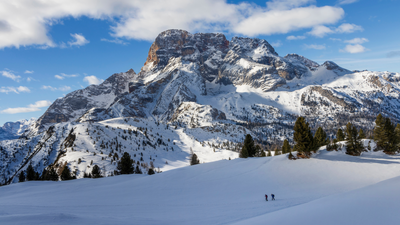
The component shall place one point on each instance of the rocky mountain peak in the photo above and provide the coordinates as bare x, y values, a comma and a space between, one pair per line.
180, 43
250, 44
329, 65
307, 62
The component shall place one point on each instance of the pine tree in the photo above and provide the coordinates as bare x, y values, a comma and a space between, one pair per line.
390, 140
66, 173
320, 138
303, 138
137, 170
96, 172
151, 172
361, 134
243, 153
21, 177
379, 132
353, 143
285, 147
249, 146
340, 135
125, 165
30, 173
269, 153
52, 174
258, 151
262, 154
194, 160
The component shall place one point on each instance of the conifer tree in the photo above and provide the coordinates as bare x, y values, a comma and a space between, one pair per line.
52, 174
194, 160
277, 152
379, 132
66, 173
340, 135
30, 173
303, 138
248, 145
263, 154
137, 170
151, 172
353, 143
258, 151
21, 177
269, 153
285, 147
361, 134
96, 172
320, 138
125, 165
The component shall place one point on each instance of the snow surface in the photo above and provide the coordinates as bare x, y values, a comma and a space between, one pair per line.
330, 188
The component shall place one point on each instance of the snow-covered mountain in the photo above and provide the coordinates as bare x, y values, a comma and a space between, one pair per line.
198, 93
13, 130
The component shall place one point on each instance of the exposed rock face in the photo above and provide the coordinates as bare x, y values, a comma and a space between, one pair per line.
301, 59
335, 68
76, 103
193, 115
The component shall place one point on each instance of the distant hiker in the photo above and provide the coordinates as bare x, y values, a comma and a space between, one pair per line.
273, 197
266, 197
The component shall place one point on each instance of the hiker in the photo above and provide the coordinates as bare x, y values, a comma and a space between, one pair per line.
273, 197
266, 197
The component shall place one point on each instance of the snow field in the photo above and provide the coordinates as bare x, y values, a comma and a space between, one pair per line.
222, 192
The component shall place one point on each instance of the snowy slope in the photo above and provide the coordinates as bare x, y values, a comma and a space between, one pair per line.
330, 188
13, 130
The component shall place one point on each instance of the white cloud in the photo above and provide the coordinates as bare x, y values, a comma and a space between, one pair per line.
276, 44
357, 48
16, 90
62, 88
348, 28
27, 22
115, 41
313, 46
322, 31
344, 2
59, 77
10, 75
40, 104
290, 38
92, 80
29, 71
335, 39
80, 40
31, 108
63, 75
356, 41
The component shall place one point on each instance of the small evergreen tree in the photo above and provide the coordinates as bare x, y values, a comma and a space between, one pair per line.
262, 154
21, 177
361, 134
340, 135
249, 146
353, 143
151, 172
194, 160
66, 173
52, 174
125, 165
244, 153
258, 151
96, 172
269, 153
30, 173
277, 152
320, 138
285, 147
303, 138
137, 170
379, 132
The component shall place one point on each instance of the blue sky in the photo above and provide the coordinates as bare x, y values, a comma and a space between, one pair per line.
49, 49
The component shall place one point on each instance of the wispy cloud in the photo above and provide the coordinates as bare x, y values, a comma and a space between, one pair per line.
290, 38
29, 71
313, 46
345, 2
63, 75
357, 48
321, 30
10, 75
80, 40
16, 90
62, 88
31, 108
276, 44
92, 80
115, 41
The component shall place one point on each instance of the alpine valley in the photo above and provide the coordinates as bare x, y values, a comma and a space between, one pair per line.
196, 93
